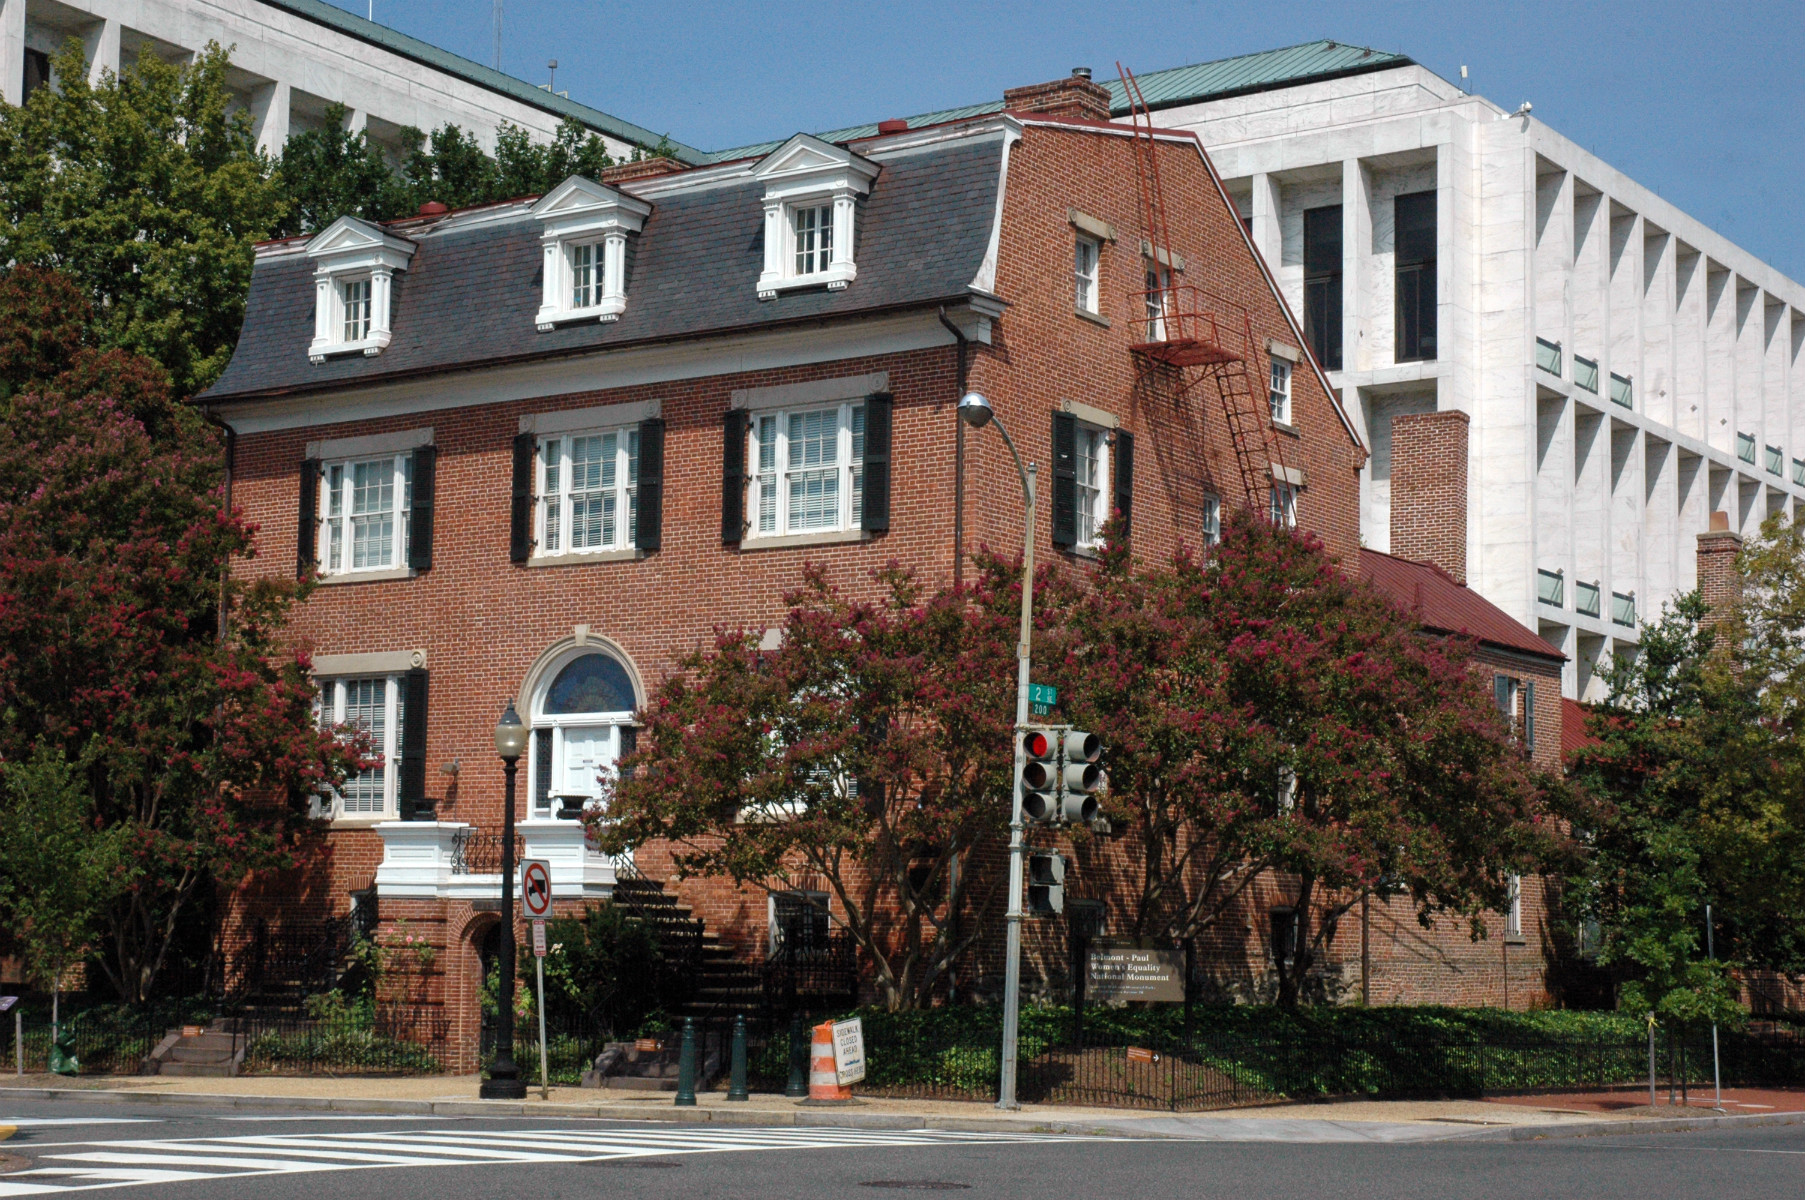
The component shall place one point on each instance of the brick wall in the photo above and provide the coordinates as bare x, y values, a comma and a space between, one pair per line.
1429, 489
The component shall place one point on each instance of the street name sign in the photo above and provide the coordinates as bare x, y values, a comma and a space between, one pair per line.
1042, 697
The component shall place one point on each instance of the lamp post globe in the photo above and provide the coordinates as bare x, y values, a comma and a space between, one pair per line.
504, 1082
975, 410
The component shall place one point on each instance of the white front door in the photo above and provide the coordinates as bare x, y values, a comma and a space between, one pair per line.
588, 753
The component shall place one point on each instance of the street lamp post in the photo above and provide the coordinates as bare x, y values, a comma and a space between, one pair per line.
504, 1082
975, 410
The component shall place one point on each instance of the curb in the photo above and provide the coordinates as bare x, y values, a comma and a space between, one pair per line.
841, 1119
663, 1113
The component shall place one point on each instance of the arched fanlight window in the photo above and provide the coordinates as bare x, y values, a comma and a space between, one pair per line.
582, 724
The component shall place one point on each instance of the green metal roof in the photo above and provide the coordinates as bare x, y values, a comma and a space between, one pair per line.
429, 55
1257, 72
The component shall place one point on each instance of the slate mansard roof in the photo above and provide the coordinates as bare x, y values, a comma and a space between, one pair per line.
471, 292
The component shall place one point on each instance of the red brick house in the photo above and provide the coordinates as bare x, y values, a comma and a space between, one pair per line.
536, 450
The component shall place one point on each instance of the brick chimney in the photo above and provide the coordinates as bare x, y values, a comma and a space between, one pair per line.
1429, 489
1073, 96
645, 168
1718, 583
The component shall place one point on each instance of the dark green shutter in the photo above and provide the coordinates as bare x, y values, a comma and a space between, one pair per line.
733, 476
1121, 469
876, 510
308, 530
411, 792
649, 523
1065, 480
1529, 715
520, 532
419, 532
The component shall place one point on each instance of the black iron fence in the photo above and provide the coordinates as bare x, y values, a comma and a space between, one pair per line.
105, 1039
383, 1041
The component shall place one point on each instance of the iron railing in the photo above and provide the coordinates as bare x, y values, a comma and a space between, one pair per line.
812, 975
385, 1041
478, 852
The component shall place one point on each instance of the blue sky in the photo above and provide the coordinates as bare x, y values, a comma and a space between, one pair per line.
1704, 104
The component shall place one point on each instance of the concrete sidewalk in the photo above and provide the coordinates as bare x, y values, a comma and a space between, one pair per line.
441, 1095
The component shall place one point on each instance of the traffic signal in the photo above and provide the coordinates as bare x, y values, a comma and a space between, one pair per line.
1040, 775
1080, 776
1046, 884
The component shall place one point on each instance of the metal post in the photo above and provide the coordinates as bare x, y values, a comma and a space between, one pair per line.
1012, 974
686, 1066
1651, 1059
797, 1088
736, 1080
545, 1084
1717, 1078
504, 1082
19, 1041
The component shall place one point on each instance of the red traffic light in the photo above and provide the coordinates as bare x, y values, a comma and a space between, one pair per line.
1036, 744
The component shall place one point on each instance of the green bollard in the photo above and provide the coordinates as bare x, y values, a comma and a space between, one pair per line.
686, 1066
797, 1088
736, 1084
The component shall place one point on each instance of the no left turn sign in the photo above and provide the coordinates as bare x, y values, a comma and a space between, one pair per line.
536, 888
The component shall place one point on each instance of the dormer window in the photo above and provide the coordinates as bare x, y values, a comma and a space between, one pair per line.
585, 230
355, 267
811, 209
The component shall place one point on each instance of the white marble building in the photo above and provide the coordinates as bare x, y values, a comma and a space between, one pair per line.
292, 58
1626, 370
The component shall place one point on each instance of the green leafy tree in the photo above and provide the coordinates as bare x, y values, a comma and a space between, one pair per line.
330, 172
198, 753
1268, 717
609, 964
867, 757
59, 872
149, 195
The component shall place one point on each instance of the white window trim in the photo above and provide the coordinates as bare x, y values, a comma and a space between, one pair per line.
1092, 538
844, 526
626, 488
1513, 908
806, 172
1278, 392
555, 725
1284, 494
351, 250
580, 212
396, 567
1212, 519
330, 685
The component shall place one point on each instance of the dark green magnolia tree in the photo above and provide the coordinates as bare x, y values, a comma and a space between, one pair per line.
198, 755
147, 193
1268, 717
867, 757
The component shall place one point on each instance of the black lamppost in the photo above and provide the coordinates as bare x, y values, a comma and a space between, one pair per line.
504, 1082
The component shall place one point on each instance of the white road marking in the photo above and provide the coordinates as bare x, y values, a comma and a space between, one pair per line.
24, 1121
137, 1162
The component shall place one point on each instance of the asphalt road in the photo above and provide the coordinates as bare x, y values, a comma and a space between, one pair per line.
164, 1154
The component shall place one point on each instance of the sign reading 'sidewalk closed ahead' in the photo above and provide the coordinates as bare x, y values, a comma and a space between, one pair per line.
1118, 971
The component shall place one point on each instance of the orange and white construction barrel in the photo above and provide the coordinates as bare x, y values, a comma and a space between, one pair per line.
823, 1079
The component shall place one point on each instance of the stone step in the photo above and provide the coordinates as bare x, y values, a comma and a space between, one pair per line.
203, 1070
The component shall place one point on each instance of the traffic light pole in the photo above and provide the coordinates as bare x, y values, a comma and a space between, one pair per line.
1012, 970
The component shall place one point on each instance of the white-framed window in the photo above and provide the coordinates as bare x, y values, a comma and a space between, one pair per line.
1287, 790
364, 512
1505, 694
1283, 505
1513, 910
1280, 391
583, 290
1091, 463
812, 237
588, 491
1159, 283
371, 705
1212, 520
1084, 273
582, 718
354, 296
807, 470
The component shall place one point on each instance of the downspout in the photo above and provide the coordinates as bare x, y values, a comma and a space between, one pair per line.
952, 974
214, 419
958, 457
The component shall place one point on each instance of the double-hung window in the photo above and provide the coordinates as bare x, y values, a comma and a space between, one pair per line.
1159, 286
807, 470
588, 493
1084, 274
1212, 520
812, 236
1091, 463
364, 513
373, 706
1279, 394
356, 293
1283, 505
583, 290
1513, 908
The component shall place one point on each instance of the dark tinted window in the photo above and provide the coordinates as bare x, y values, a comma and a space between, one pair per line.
594, 683
1322, 284
1416, 228
1414, 216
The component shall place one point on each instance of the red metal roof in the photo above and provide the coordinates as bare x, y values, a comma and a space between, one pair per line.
1446, 606
1574, 737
